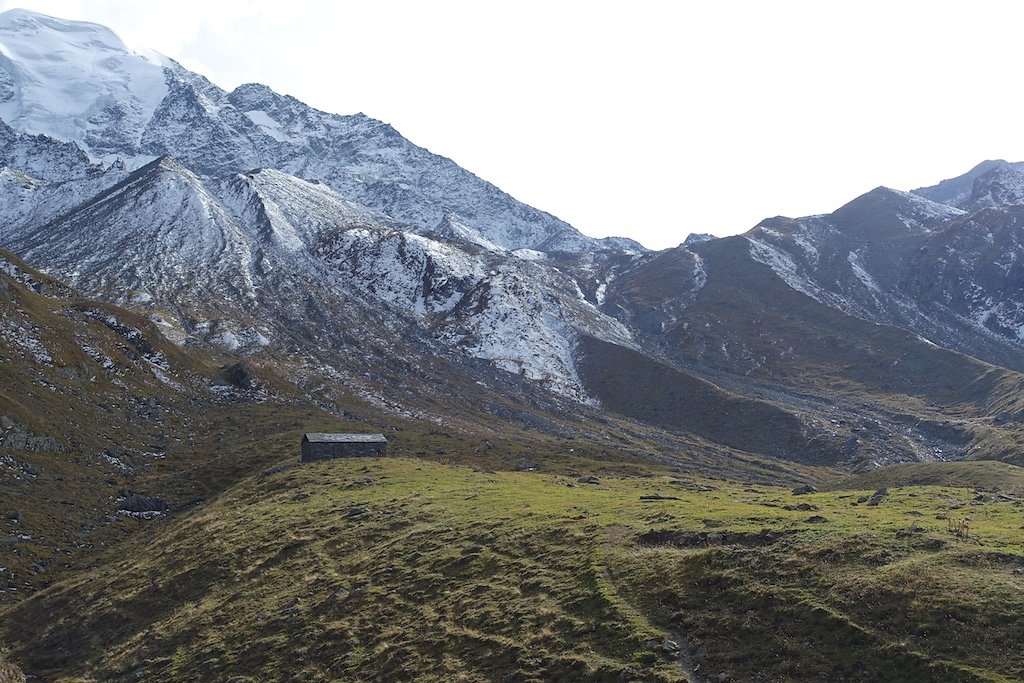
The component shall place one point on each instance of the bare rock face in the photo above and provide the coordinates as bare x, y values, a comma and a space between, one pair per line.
13, 436
136, 502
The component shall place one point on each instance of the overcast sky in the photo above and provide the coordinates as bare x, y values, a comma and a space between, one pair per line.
646, 119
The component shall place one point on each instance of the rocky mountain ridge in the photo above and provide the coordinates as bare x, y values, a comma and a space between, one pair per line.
253, 223
145, 106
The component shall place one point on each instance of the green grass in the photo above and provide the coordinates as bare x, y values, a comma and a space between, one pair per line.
988, 475
450, 573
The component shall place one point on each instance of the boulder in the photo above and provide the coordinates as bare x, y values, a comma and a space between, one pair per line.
134, 502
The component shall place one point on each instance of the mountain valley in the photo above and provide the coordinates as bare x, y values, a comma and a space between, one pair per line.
742, 458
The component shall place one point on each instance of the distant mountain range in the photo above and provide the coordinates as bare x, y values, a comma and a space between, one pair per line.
340, 253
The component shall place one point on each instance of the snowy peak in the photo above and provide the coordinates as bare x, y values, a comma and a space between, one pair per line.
291, 213
27, 23
696, 238
76, 81
884, 213
159, 230
1002, 185
955, 191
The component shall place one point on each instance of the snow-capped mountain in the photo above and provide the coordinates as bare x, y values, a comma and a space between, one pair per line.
133, 179
248, 250
901, 259
334, 247
78, 82
966, 190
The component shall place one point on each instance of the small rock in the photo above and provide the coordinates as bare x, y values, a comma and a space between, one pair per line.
670, 646
14, 516
589, 479
363, 481
817, 519
803, 490
722, 677
356, 512
629, 673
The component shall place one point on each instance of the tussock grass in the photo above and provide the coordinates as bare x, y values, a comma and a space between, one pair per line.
406, 569
989, 475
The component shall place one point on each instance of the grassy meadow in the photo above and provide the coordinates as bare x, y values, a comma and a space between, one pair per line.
406, 569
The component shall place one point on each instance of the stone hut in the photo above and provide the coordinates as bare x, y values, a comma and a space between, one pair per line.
320, 446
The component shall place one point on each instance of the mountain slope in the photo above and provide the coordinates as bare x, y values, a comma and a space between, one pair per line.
395, 569
866, 394
145, 106
250, 249
333, 246
592, 446
877, 258
960, 191
76, 81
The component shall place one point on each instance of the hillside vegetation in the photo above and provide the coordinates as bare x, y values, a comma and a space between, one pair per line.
404, 569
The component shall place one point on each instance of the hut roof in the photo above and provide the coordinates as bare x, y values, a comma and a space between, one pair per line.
336, 437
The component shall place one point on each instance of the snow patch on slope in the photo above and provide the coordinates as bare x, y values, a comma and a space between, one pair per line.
76, 81
861, 273
782, 263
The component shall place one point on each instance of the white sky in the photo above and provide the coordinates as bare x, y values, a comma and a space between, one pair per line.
648, 119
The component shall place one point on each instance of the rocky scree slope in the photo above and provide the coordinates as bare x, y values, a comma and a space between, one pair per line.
264, 259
